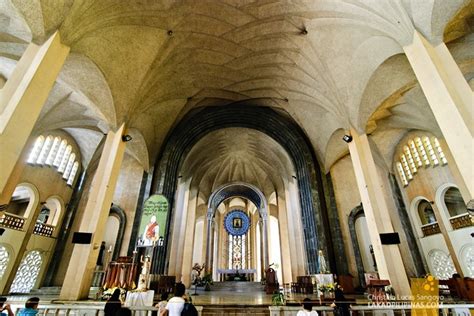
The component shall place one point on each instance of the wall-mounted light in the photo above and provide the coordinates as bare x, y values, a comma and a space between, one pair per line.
347, 138
126, 138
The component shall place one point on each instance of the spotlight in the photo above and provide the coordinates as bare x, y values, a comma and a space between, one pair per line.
347, 138
126, 138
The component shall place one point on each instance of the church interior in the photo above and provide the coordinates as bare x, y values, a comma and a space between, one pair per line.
276, 145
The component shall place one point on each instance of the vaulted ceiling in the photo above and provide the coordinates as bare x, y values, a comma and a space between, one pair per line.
325, 62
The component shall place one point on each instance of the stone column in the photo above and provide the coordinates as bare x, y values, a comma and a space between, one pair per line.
389, 261
447, 240
189, 242
265, 255
21, 101
284, 242
209, 242
451, 101
83, 260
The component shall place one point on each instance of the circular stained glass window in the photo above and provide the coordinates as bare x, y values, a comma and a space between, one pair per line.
237, 223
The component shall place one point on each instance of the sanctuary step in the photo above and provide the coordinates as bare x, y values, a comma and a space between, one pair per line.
237, 310
237, 286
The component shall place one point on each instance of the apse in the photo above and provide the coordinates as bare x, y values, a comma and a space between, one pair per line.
248, 173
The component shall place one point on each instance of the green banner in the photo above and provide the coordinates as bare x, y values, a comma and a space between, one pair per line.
153, 223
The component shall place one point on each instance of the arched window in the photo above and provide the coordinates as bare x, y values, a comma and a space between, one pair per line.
36, 150
467, 256
65, 159
72, 176
441, 264
69, 165
59, 156
425, 211
27, 273
45, 150
53, 151
4, 258
419, 152
454, 202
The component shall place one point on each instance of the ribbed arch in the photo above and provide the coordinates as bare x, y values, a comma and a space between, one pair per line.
199, 122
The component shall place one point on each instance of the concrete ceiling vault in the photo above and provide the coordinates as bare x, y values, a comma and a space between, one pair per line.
148, 63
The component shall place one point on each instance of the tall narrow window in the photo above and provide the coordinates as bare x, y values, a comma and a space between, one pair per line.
36, 150
403, 177
60, 153
409, 157
430, 150
72, 176
45, 150
415, 154
65, 159
70, 163
406, 167
422, 151
53, 151
441, 155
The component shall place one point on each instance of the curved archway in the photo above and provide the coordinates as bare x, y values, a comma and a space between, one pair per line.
278, 126
356, 212
440, 202
120, 214
237, 189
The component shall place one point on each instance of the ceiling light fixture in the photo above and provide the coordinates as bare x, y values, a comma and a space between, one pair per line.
126, 138
347, 138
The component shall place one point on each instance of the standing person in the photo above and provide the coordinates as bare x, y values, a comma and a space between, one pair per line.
31, 307
307, 308
5, 309
176, 304
162, 303
113, 304
341, 307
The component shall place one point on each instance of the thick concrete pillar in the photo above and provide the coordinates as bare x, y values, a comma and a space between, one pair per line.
22, 99
389, 261
444, 233
78, 277
209, 240
284, 242
187, 253
450, 99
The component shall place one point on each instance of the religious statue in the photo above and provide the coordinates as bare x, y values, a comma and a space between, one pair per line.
144, 278
151, 232
323, 267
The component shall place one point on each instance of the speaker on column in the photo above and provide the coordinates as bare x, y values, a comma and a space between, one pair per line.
390, 239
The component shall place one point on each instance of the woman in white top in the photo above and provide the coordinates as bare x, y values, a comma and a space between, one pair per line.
307, 309
175, 305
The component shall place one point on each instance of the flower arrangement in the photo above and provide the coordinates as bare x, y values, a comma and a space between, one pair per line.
329, 287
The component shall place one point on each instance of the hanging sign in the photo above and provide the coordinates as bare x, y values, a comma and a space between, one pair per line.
153, 223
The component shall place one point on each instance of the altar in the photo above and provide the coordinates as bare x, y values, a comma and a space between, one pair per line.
236, 274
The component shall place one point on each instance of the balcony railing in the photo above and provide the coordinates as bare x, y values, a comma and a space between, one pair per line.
12, 221
43, 229
430, 229
461, 221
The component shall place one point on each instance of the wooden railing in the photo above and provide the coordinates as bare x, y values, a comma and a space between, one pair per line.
461, 221
12, 221
430, 229
43, 229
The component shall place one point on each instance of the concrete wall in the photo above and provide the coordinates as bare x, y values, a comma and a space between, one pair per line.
47, 183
